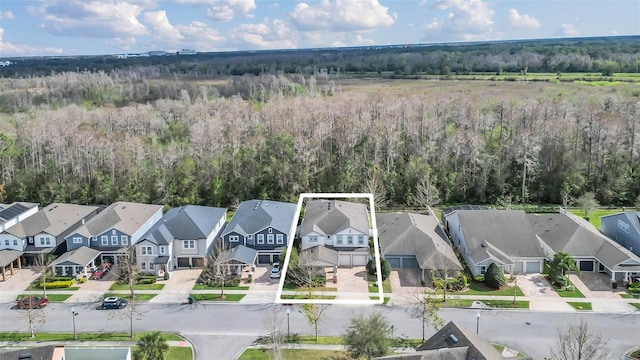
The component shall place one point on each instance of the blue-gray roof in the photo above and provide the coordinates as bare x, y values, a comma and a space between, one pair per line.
190, 222
254, 216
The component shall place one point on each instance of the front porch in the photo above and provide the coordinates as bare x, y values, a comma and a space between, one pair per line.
75, 262
7, 260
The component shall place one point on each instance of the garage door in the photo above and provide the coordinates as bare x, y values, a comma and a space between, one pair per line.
586, 265
359, 259
183, 262
533, 267
264, 259
344, 259
197, 262
409, 263
395, 262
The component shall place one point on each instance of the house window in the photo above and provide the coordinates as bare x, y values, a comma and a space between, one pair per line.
6, 242
189, 244
47, 241
114, 240
279, 239
483, 269
146, 250
350, 239
124, 239
162, 250
15, 242
270, 230
360, 240
104, 240
76, 240
234, 238
260, 238
94, 238
270, 239
339, 239
313, 239
250, 236
151, 266
113, 232
143, 266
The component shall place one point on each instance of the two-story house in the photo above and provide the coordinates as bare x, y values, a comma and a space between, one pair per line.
623, 228
263, 225
339, 225
183, 238
10, 251
114, 229
43, 233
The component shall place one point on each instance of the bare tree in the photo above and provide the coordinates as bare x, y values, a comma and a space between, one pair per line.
275, 335
425, 306
128, 275
302, 271
217, 267
427, 193
43, 264
34, 317
587, 203
376, 186
314, 313
578, 343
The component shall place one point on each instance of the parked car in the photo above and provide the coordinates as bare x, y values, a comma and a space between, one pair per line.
100, 271
32, 302
114, 303
275, 271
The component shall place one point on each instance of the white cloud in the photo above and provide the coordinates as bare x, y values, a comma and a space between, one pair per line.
566, 30
200, 36
10, 49
342, 15
516, 20
96, 18
123, 43
226, 10
6, 15
466, 20
160, 27
276, 35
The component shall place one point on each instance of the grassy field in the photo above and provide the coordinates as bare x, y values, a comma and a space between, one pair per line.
580, 305
594, 216
373, 285
175, 353
50, 297
207, 287
93, 336
306, 296
117, 286
637, 305
34, 287
291, 354
216, 297
627, 296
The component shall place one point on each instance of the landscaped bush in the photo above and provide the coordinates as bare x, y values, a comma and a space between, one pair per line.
371, 267
60, 284
634, 287
146, 280
59, 278
166, 275
462, 279
229, 282
494, 277
83, 280
384, 265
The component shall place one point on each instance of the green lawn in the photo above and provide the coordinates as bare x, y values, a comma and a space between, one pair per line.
580, 305
306, 296
117, 286
462, 303
384, 302
291, 354
498, 304
304, 288
94, 336
476, 288
498, 347
50, 297
637, 305
139, 297
216, 297
594, 216
627, 296
34, 287
180, 353
207, 287
575, 293
373, 285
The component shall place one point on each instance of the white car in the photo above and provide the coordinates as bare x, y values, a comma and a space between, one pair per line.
275, 271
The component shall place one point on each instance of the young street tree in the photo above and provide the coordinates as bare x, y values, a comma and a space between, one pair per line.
152, 346
425, 306
314, 313
275, 335
587, 203
43, 264
128, 275
578, 343
368, 336
34, 318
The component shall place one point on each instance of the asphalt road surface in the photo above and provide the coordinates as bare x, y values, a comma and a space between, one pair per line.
221, 330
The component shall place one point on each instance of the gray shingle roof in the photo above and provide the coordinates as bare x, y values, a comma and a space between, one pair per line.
54, 219
190, 222
459, 353
34, 353
80, 256
319, 256
240, 253
8, 255
506, 230
415, 234
478, 348
327, 217
127, 217
252, 216
11, 211
578, 237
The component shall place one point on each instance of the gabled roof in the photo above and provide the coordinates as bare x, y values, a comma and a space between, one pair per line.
327, 217
54, 220
80, 257
459, 353
320, 256
508, 231
253, 216
34, 353
240, 253
633, 217
453, 208
453, 336
419, 235
7, 256
190, 222
8, 212
127, 217
576, 236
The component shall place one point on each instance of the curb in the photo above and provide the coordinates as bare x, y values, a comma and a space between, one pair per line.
194, 351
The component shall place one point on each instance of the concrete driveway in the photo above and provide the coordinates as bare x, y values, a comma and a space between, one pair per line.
262, 280
594, 285
16, 284
536, 285
178, 287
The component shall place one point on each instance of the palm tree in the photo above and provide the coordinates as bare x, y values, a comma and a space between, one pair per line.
564, 262
152, 346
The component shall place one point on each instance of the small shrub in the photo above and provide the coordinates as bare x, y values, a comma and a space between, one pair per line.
385, 268
166, 275
249, 279
371, 267
634, 287
494, 277
462, 278
58, 284
83, 280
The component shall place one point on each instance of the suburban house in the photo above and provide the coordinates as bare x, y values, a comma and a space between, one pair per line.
339, 225
114, 229
624, 228
43, 233
183, 238
262, 225
11, 251
504, 237
453, 342
415, 241
52, 352
592, 251
78, 261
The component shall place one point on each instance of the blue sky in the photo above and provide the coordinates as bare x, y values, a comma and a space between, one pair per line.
86, 27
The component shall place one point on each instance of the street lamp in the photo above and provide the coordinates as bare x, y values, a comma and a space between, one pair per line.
288, 312
477, 322
74, 314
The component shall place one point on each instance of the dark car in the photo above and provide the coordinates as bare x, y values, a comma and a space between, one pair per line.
32, 302
100, 272
114, 303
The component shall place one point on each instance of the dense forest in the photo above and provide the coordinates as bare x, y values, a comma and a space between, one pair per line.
71, 137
